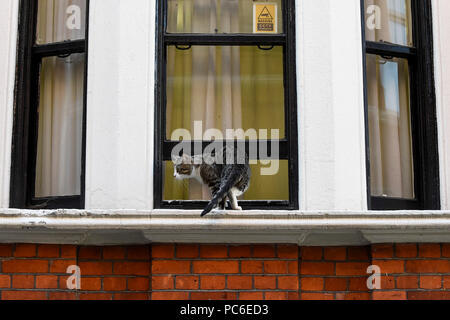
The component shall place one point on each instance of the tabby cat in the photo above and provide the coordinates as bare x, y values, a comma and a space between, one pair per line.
226, 174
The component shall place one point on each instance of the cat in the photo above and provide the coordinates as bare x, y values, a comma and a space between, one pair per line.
222, 173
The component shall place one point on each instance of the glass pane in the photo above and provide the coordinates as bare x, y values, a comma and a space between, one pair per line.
262, 187
391, 154
389, 21
60, 20
226, 88
223, 16
58, 165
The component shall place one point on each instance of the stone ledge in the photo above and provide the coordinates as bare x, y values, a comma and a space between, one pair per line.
109, 227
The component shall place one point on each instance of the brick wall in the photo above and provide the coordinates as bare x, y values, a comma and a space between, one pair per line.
29, 271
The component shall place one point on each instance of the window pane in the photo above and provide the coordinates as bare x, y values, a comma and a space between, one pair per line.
225, 88
60, 20
389, 21
225, 16
391, 155
262, 187
58, 165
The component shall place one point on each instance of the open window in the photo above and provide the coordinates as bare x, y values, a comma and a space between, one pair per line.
49, 124
403, 171
228, 65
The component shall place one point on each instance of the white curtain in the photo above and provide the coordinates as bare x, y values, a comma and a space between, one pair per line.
60, 132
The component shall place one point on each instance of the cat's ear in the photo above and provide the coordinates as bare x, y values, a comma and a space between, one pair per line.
177, 160
187, 158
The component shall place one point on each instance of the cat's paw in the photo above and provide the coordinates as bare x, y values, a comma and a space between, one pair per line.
238, 209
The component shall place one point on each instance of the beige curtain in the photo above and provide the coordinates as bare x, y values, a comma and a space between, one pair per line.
58, 168
224, 87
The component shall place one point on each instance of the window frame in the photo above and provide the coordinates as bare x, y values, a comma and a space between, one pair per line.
288, 145
24, 143
423, 111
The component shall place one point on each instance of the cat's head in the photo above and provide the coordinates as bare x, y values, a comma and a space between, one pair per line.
184, 167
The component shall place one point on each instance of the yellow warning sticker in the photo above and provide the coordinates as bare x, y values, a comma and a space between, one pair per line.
265, 19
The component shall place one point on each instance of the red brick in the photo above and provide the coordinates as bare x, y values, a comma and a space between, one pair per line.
335, 284
287, 252
253, 267
260, 251
429, 250
406, 250
240, 251
24, 295
390, 266
383, 251
5, 282
288, 283
95, 268
162, 282
96, 296
447, 282
68, 251
227, 267
138, 253
335, 253
23, 282
251, 296
170, 295
132, 268
357, 284
293, 295
353, 296
429, 295
213, 251
265, 282
46, 282
48, 251
445, 250
317, 268
90, 253
91, 284
187, 283
114, 284
407, 282
188, 251
293, 267
275, 267
387, 282
138, 284
239, 282
276, 296
212, 283
131, 296
25, 251
312, 284
171, 267
428, 266
351, 268
213, 296
311, 253
358, 253
62, 296
317, 296
389, 295
25, 266
5, 250
430, 282
160, 251
60, 266
113, 253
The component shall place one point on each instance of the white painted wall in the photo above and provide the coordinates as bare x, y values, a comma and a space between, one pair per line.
8, 34
441, 18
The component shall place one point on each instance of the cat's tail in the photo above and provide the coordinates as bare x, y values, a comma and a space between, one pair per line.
230, 179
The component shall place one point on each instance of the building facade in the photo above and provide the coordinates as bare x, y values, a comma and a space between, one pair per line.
353, 93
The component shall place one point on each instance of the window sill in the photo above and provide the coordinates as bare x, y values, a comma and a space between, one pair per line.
113, 227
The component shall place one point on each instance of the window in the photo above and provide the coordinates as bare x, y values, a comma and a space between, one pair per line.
49, 124
228, 65
402, 154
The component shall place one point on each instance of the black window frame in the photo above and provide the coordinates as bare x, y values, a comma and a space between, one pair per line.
288, 145
423, 110
24, 144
